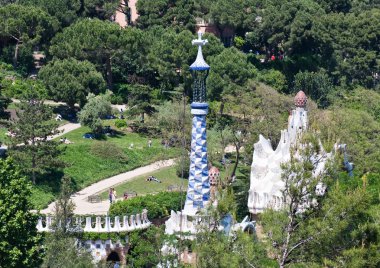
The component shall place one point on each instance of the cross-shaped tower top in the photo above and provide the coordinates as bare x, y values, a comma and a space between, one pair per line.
199, 63
199, 41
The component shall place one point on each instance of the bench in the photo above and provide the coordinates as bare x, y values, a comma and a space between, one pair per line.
94, 198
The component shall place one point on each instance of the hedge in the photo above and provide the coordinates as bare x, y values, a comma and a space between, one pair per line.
158, 205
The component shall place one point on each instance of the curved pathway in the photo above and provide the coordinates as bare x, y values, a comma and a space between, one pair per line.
80, 198
64, 129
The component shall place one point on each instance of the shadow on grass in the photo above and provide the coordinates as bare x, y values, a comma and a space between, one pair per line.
67, 113
113, 133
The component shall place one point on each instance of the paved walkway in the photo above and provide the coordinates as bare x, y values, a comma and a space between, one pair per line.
80, 198
64, 129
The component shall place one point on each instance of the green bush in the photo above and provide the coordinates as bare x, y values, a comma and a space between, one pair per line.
273, 78
120, 123
109, 151
158, 205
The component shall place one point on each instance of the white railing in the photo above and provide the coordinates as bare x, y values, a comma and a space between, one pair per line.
102, 224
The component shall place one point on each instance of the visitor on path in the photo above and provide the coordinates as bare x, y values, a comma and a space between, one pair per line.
110, 194
114, 195
149, 143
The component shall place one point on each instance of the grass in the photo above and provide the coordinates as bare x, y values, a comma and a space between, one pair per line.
167, 176
86, 168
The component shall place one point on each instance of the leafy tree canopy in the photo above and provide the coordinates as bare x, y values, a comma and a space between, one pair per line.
167, 13
70, 80
19, 241
97, 107
24, 26
230, 71
99, 42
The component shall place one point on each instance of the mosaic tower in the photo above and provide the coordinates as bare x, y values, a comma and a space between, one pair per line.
198, 192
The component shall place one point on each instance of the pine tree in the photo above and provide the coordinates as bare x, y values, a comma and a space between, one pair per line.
19, 240
31, 146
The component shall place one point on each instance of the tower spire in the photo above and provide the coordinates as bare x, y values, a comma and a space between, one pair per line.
198, 191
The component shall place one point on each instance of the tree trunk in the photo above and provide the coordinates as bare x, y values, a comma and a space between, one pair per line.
15, 56
237, 147
109, 73
142, 117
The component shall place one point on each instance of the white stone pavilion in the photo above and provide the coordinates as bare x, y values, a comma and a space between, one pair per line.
266, 185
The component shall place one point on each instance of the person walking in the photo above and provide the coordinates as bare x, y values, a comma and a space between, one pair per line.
149, 143
110, 195
114, 195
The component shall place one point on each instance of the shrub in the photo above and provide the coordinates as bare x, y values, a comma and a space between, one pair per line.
273, 78
109, 151
158, 205
120, 123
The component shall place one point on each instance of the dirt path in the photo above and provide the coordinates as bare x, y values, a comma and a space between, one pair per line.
81, 198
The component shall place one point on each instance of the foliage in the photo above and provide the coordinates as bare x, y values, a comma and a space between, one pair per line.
218, 250
102, 43
146, 248
348, 46
70, 80
97, 107
230, 72
313, 227
355, 128
140, 100
273, 78
65, 252
158, 205
173, 121
25, 27
19, 241
120, 123
182, 166
171, 54
31, 146
317, 86
111, 151
167, 13
61, 248
360, 99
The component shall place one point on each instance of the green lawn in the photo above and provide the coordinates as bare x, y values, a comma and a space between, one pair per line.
85, 167
167, 176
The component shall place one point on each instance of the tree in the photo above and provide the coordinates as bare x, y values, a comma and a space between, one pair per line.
140, 100
62, 249
70, 80
317, 86
67, 11
215, 249
230, 72
346, 125
167, 13
20, 244
97, 107
315, 223
100, 42
347, 45
25, 27
32, 147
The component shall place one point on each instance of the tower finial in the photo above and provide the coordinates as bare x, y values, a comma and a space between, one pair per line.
300, 99
199, 63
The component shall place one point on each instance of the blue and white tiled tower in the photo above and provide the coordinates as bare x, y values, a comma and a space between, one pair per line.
198, 192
